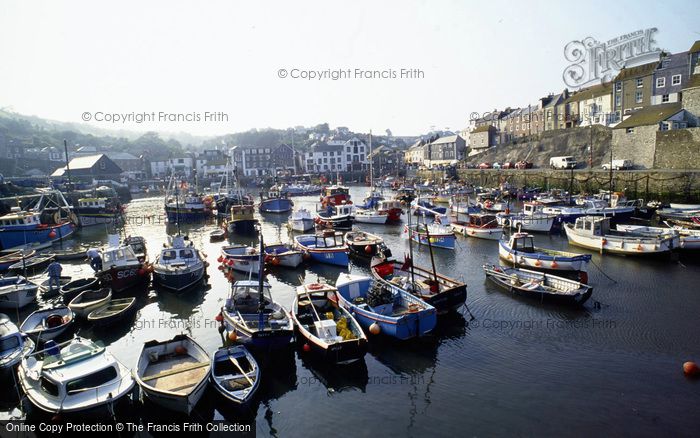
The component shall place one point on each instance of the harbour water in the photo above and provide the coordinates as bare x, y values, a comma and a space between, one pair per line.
520, 367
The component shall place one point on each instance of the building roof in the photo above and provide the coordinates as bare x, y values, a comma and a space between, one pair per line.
651, 115
695, 47
448, 139
325, 147
591, 92
120, 156
636, 71
694, 81
483, 128
85, 162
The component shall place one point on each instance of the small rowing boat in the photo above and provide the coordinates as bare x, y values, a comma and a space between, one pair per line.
538, 284
90, 300
235, 373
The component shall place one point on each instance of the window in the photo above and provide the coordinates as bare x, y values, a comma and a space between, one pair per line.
639, 96
675, 80
629, 130
660, 82
664, 98
618, 86
640, 82
348, 157
92, 380
664, 126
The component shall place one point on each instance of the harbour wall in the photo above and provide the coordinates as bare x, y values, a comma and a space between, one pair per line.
662, 185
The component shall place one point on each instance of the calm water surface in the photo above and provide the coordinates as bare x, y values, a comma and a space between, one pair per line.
519, 367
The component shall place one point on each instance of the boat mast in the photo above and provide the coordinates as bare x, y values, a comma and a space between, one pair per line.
430, 248
261, 274
410, 243
371, 171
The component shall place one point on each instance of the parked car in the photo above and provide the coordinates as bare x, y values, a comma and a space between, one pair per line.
619, 165
485, 166
508, 165
522, 164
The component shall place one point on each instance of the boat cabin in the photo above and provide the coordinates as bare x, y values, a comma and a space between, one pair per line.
69, 371
522, 242
245, 296
118, 255
93, 203
178, 253
483, 221
336, 190
16, 217
531, 208
137, 243
593, 225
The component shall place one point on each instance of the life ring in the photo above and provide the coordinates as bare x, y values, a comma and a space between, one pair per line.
315, 286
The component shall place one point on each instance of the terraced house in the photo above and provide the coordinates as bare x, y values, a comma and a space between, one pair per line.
444, 151
633, 88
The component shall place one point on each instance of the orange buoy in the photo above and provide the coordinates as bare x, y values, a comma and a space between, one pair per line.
52, 234
691, 369
275, 261
233, 336
368, 249
142, 272
538, 263
375, 329
219, 317
307, 347
555, 265
220, 259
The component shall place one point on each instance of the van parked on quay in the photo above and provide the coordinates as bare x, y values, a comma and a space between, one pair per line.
618, 165
567, 162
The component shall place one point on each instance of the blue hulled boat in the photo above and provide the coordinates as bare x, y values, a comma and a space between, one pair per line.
435, 235
324, 247
275, 202
24, 229
378, 305
423, 207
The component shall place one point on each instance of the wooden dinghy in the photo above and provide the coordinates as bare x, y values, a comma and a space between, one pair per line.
173, 373
112, 312
235, 373
90, 300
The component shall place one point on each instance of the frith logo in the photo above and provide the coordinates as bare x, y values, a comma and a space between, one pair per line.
594, 62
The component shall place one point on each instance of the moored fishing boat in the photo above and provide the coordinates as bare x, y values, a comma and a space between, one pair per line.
480, 226
364, 245
283, 254
16, 292
539, 285
445, 294
594, 232
14, 345
121, 268
689, 238
392, 208
138, 245
301, 220
90, 300
521, 251
329, 330
241, 219
365, 216
530, 219
275, 202
93, 211
423, 207
235, 373
325, 247
25, 229
335, 216
173, 373
335, 195
48, 323
384, 309
77, 376
241, 258
179, 265
435, 235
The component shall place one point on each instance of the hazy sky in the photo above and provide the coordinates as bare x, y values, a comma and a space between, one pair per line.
61, 59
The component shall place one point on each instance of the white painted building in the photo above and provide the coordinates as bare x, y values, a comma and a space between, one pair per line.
179, 165
337, 155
